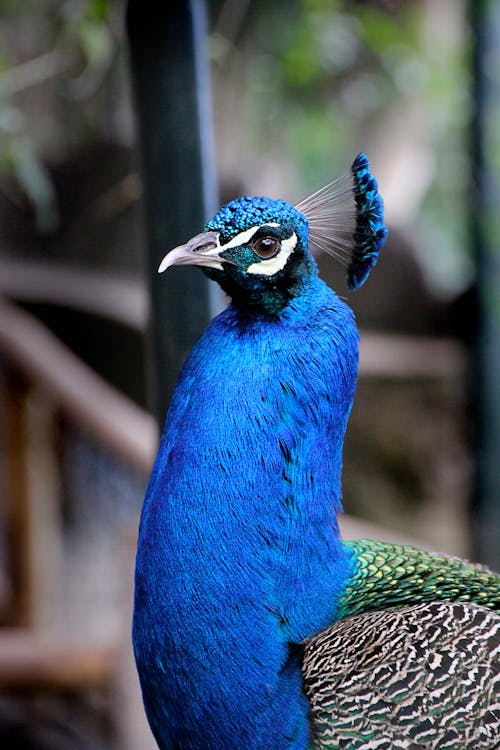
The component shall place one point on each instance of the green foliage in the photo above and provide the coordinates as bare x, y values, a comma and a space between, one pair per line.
88, 27
59, 52
34, 180
325, 79
99, 11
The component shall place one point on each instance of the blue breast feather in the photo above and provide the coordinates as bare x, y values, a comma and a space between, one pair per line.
239, 558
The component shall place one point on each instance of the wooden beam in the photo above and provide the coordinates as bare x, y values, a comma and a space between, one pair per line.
31, 662
17, 506
110, 417
410, 357
122, 300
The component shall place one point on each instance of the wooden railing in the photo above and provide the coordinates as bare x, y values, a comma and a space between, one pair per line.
85, 398
42, 380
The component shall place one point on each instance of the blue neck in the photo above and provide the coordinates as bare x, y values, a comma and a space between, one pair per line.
239, 558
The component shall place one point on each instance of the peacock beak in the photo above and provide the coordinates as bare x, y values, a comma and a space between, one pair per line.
202, 250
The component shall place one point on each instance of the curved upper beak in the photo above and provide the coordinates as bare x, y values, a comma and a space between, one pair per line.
202, 250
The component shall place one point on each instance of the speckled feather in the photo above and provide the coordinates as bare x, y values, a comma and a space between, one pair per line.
425, 677
415, 660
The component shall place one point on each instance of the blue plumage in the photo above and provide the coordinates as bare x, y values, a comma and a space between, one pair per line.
255, 627
239, 558
236, 565
248, 211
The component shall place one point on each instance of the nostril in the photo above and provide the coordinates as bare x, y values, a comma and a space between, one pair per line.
204, 242
201, 248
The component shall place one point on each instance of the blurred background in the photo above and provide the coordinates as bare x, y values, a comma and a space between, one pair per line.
114, 147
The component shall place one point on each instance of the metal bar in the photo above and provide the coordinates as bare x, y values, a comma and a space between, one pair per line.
485, 234
170, 80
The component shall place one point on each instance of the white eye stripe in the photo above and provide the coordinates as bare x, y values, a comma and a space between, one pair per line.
272, 265
243, 237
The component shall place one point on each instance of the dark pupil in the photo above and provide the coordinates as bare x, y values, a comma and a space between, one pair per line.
266, 247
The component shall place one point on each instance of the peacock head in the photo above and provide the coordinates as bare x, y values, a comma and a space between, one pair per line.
255, 248
258, 249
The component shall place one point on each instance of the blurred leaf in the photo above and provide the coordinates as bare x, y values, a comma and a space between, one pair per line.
99, 10
10, 6
300, 62
320, 142
96, 42
36, 183
11, 118
382, 30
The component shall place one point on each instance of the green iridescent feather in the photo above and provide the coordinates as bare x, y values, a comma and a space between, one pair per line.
391, 575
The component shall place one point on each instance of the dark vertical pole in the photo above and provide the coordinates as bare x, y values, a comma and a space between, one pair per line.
485, 199
172, 97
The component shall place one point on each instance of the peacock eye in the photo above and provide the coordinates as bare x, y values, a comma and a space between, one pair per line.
266, 247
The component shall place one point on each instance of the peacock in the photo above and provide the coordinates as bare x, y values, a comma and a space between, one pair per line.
255, 626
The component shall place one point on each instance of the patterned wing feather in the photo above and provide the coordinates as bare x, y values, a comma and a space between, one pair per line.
423, 677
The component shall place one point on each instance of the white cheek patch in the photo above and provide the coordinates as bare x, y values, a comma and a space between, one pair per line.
244, 237
272, 265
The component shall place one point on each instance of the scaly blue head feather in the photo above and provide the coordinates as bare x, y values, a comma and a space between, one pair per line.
245, 212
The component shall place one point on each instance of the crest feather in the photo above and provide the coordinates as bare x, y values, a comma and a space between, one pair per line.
346, 220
